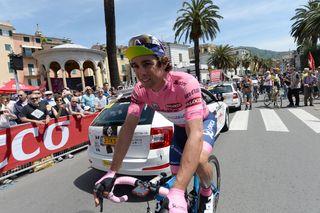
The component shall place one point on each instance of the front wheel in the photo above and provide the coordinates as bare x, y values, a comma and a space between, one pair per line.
266, 100
215, 181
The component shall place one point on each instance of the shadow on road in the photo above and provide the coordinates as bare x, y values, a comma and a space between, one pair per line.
86, 181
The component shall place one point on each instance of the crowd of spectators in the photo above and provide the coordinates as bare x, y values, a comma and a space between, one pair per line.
39, 107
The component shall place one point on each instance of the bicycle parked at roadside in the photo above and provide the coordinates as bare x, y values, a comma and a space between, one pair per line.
274, 98
160, 186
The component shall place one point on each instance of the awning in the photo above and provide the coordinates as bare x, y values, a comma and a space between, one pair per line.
32, 47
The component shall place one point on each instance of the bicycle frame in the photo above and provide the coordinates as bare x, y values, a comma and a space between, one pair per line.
192, 196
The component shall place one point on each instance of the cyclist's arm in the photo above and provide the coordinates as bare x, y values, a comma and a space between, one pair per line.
191, 153
124, 141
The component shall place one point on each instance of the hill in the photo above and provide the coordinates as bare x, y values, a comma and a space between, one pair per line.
265, 54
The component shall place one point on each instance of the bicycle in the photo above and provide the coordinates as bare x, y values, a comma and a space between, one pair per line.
160, 186
274, 97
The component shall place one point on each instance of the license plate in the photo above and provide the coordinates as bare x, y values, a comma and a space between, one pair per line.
110, 140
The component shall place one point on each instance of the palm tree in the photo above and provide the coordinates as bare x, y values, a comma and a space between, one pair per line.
307, 23
111, 42
246, 63
255, 61
222, 57
198, 20
235, 63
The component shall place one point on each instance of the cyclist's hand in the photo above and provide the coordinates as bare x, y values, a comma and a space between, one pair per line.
103, 186
177, 201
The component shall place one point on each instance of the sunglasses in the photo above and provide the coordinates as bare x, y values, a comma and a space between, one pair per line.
48, 94
34, 99
74, 101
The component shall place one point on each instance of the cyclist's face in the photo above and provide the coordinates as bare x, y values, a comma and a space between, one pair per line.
149, 72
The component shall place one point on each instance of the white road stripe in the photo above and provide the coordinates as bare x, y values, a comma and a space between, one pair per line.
310, 120
272, 121
240, 121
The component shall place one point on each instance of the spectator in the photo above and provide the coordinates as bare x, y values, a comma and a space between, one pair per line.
6, 116
106, 89
22, 101
294, 88
48, 99
35, 111
100, 100
37, 92
60, 108
75, 108
88, 98
66, 95
309, 81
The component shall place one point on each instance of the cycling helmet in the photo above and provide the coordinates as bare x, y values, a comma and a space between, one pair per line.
143, 45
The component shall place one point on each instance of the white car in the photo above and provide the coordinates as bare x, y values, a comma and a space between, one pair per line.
148, 153
230, 95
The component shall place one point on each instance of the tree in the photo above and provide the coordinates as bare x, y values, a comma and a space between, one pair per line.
222, 57
109, 15
236, 61
246, 63
197, 21
307, 23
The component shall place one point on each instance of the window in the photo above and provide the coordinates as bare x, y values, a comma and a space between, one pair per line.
6, 32
118, 112
29, 82
26, 39
7, 47
27, 52
38, 40
121, 56
34, 82
9, 68
31, 69
123, 69
73, 72
180, 57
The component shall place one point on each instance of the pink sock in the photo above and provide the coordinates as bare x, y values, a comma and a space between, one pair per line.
205, 191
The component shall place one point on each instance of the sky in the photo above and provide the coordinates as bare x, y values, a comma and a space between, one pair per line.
264, 24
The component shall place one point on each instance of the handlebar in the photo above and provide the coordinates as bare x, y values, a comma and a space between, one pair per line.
152, 185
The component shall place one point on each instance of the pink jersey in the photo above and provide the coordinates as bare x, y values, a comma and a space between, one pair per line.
179, 100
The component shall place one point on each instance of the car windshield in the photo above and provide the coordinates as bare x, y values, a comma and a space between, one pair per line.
221, 89
117, 114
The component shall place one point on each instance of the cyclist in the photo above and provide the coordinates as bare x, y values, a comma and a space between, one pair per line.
247, 91
177, 96
275, 87
268, 83
255, 84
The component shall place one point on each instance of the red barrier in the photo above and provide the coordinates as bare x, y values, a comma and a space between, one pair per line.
29, 142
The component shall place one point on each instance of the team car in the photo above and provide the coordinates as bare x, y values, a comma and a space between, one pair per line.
230, 95
148, 153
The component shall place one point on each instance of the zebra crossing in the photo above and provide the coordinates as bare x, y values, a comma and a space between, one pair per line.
272, 121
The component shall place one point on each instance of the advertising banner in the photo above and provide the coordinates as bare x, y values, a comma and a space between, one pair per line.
29, 142
215, 76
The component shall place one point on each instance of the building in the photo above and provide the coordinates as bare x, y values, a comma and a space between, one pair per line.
6, 46
25, 45
178, 54
126, 76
